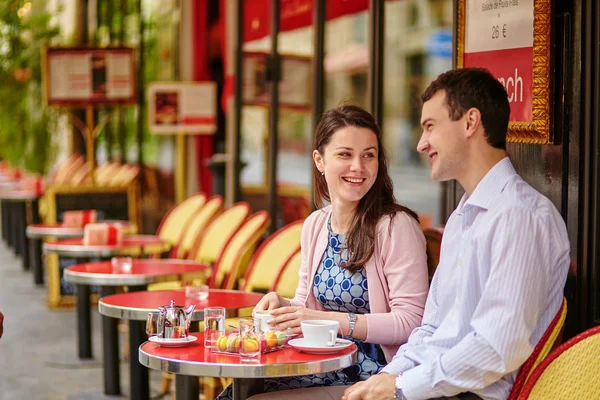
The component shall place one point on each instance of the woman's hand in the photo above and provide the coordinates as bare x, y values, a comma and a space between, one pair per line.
290, 318
270, 301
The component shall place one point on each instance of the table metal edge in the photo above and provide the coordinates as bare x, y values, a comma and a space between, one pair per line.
93, 279
192, 368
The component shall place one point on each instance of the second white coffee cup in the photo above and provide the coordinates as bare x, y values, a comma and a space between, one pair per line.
320, 333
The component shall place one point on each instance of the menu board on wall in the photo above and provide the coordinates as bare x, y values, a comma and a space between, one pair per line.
294, 86
511, 38
79, 77
182, 107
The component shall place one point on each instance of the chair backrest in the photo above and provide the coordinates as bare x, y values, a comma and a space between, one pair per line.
197, 225
64, 172
570, 372
551, 338
433, 237
103, 175
217, 234
287, 280
271, 256
236, 255
175, 220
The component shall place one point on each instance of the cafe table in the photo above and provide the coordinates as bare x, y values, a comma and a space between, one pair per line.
143, 272
19, 208
195, 360
38, 232
135, 306
134, 245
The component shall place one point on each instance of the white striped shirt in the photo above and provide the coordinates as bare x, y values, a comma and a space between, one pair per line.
499, 283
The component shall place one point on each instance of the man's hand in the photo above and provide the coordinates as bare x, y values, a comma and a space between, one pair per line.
291, 317
1, 324
378, 387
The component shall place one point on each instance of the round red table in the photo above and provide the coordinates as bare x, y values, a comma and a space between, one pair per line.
37, 232
135, 307
195, 360
59, 231
132, 245
142, 273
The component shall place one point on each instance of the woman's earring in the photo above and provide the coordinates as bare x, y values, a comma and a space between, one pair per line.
323, 173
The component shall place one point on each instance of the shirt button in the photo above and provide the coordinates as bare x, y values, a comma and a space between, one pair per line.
467, 227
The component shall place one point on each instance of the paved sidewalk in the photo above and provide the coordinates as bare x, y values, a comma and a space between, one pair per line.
34, 335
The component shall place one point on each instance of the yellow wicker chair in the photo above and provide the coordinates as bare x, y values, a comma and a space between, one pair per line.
272, 254
571, 372
549, 341
211, 243
197, 225
237, 253
174, 222
286, 282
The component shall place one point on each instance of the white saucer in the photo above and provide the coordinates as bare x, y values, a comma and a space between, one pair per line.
172, 342
301, 345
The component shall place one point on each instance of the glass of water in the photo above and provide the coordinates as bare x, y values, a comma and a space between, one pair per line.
214, 326
121, 265
250, 341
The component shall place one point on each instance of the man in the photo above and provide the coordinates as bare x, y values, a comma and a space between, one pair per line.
504, 257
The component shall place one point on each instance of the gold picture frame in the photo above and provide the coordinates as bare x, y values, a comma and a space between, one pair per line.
538, 130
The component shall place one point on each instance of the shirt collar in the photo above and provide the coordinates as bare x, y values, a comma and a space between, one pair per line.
490, 186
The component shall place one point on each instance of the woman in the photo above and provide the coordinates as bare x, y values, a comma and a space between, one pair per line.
363, 256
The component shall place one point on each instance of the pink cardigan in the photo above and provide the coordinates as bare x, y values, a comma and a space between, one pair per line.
397, 276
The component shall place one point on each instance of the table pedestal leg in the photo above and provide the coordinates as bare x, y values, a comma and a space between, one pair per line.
186, 387
138, 374
35, 251
110, 338
244, 387
4, 206
12, 227
24, 211
139, 380
84, 322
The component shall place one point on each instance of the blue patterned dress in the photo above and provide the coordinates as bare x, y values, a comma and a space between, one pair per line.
336, 289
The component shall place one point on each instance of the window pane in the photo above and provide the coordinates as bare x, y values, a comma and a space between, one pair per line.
418, 47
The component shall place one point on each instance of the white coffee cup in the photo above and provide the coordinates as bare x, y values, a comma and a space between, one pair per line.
264, 317
320, 333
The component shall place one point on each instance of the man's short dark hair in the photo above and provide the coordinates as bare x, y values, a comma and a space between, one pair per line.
475, 88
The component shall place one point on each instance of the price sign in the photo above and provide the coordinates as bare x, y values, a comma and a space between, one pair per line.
499, 35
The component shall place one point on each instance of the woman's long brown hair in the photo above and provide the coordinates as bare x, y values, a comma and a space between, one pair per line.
379, 200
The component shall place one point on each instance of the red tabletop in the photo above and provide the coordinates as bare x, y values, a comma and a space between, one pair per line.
36, 231
19, 194
128, 241
142, 272
74, 247
137, 305
195, 360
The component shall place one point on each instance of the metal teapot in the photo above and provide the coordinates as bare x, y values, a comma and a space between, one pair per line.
170, 322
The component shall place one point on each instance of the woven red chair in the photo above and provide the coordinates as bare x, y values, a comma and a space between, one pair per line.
549, 341
571, 372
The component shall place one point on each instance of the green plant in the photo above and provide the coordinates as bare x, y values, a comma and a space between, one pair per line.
26, 126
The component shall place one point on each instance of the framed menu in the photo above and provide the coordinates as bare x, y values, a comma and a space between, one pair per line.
83, 76
182, 107
511, 38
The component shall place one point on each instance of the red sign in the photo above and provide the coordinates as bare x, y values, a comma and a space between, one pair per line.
514, 69
499, 37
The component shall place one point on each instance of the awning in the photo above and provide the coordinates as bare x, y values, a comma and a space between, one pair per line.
294, 14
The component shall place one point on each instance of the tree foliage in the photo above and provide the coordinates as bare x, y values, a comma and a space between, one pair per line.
26, 126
